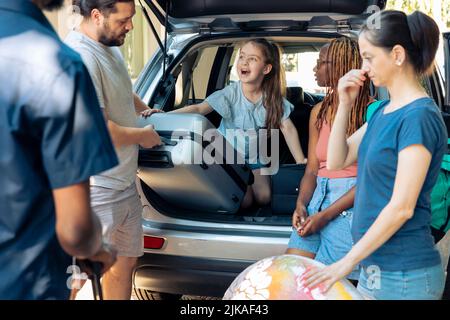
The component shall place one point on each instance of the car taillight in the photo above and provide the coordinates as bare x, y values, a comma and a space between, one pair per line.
153, 242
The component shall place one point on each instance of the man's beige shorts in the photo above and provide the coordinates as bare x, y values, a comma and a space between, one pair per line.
120, 213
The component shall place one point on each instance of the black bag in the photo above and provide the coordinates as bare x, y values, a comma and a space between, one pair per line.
285, 188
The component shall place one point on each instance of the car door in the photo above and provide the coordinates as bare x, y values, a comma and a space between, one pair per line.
198, 17
232, 14
446, 99
226, 16
446, 37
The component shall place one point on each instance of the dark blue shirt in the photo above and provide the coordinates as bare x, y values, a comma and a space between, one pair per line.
52, 135
420, 122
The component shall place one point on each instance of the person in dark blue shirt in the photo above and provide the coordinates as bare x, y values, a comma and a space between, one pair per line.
52, 139
399, 155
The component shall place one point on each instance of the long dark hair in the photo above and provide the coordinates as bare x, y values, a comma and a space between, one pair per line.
417, 33
344, 56
274, 83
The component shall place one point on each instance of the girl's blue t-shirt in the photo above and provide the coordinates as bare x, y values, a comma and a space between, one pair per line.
420, 122
242, 118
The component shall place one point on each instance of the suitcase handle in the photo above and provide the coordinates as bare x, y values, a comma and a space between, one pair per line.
95, 278
96, 269
168, 142
151, 158
164, 142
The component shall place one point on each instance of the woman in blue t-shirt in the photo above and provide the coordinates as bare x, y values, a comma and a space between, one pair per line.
399, 152
254, 102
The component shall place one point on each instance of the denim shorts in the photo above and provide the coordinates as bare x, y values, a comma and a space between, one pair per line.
420, 284
256, 166
334, 241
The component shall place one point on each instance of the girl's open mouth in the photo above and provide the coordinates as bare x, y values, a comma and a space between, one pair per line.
245, 72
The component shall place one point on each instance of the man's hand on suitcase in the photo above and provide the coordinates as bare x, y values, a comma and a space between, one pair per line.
149, 137
106, 256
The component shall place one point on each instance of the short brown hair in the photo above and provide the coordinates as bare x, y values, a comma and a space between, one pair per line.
106, 7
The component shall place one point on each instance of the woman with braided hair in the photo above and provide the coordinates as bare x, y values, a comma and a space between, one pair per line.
321, 221
341, 55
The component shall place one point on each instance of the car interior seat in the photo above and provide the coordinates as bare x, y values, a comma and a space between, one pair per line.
184, 85
300, 118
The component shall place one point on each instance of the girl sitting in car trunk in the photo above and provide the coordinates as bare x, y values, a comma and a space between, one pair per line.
254, 102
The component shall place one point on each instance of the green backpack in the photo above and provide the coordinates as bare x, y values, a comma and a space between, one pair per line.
440, 200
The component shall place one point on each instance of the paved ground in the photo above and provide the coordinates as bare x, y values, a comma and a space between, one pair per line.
86, 293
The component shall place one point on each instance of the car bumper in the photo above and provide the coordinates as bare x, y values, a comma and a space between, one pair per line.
187, 275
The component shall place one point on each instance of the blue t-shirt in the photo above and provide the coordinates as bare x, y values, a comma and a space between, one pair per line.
241, 117
52, 135
420, 122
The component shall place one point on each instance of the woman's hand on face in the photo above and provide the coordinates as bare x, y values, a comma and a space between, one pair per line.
349, 86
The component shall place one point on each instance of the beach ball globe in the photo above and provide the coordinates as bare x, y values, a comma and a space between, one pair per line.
279, 278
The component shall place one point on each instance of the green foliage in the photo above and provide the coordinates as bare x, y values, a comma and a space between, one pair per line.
438, 9
290, 62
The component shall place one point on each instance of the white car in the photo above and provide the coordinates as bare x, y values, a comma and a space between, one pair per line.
189, 251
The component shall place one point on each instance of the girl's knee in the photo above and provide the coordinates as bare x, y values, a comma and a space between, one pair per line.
248, 199
261, 189
263, 198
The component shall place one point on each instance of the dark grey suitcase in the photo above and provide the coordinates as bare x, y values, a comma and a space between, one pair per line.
187, 170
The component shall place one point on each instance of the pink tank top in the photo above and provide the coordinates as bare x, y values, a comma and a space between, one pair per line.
321, 153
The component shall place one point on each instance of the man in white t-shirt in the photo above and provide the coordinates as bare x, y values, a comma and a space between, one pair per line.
114, 196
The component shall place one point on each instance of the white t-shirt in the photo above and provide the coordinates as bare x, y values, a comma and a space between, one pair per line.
115, 94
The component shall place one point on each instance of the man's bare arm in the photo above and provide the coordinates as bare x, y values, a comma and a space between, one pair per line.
78, 230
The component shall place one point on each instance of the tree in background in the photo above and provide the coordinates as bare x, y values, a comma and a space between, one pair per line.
438, 9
